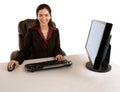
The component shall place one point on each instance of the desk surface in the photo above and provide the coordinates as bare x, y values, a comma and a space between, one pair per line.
75, 78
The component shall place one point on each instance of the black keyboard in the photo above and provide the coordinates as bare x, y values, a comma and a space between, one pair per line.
52, 64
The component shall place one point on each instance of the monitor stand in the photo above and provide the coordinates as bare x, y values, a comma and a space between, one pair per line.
90, 67
104, 67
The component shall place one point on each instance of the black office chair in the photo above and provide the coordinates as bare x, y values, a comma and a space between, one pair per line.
23, 27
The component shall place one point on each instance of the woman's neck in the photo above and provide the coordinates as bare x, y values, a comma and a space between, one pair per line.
44, 28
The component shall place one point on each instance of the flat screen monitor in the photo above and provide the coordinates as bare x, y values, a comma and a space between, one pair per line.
98, 46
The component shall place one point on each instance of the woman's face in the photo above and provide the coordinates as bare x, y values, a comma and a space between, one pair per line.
43, 17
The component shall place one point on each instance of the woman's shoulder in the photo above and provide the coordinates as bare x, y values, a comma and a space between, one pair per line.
34, 28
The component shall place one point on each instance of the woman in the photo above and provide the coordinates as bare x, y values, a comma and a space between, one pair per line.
41, 40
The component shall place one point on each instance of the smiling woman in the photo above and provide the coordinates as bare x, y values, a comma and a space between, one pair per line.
42, 40
44, 18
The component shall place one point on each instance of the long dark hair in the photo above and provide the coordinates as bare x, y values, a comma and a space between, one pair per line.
42, 6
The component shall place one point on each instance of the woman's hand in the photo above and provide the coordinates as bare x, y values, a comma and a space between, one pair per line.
59, 57
10, 64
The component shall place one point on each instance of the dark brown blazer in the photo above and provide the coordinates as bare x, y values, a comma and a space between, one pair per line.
34, 46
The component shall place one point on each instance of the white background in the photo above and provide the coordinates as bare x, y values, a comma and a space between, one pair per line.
72, 17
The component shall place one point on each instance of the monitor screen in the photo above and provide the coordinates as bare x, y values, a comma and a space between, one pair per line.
97, 43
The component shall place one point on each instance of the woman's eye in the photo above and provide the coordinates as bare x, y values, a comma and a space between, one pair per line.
46, 15
40, 15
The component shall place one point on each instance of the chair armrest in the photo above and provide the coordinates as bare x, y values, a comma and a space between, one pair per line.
63, 53
13, 55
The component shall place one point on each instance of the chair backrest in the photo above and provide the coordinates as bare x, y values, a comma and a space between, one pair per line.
23, 27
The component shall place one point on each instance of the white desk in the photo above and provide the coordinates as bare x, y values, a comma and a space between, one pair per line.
71, 79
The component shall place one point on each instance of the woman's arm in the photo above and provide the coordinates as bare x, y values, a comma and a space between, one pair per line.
24, 52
